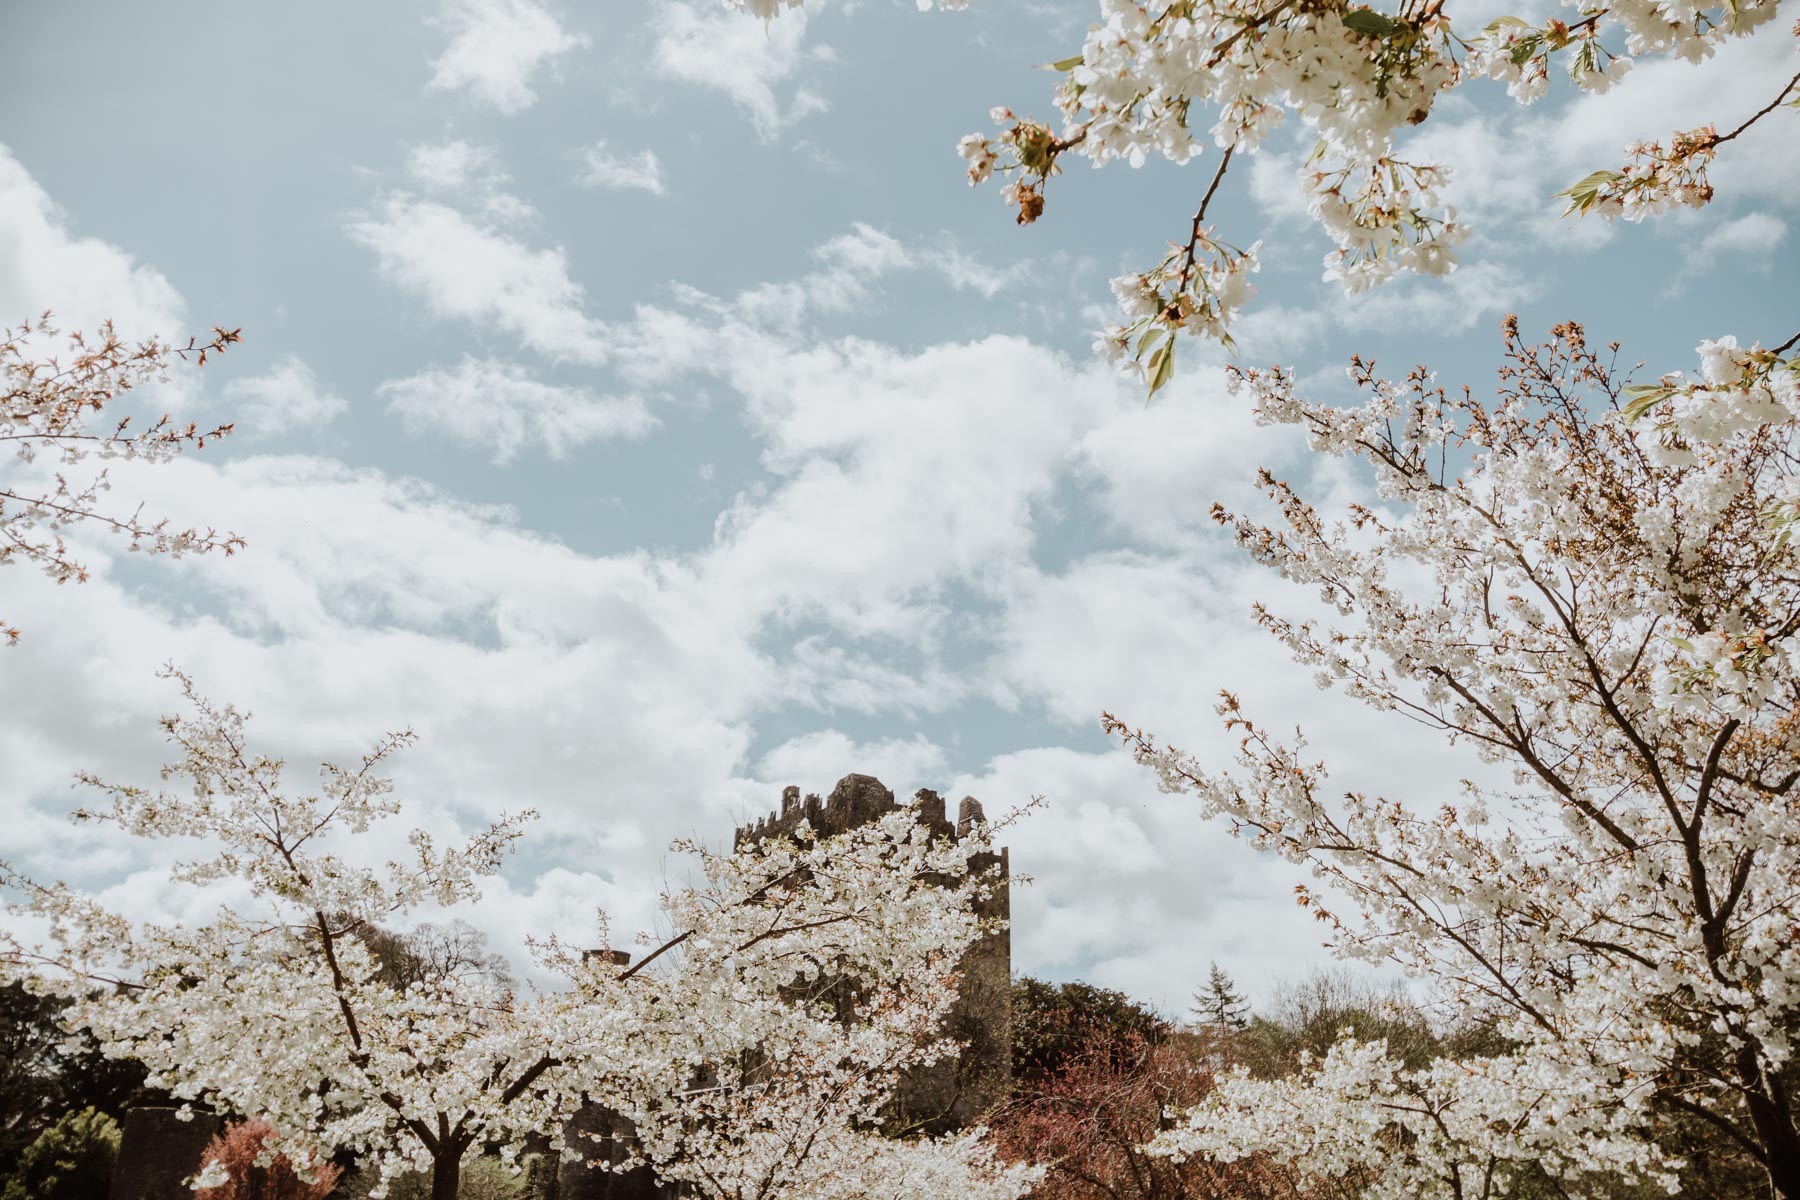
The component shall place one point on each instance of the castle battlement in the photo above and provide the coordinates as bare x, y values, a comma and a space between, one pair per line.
855, 801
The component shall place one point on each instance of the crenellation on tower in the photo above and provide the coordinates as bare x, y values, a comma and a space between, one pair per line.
930, 809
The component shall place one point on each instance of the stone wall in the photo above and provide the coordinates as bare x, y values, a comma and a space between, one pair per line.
159, 1153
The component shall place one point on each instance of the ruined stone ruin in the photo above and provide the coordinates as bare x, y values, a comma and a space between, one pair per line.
158, 1154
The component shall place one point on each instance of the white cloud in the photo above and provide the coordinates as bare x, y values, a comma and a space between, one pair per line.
966, 273
464, 269
496, 48
450, 166
853, 264
643, 171
83, 279
1749, 241
1274, 187
285, 398
502, 407
457, 168
1160, 467
1472, 294
726, 51
815, 761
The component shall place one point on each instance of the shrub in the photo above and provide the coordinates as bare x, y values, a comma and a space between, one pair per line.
71, 1160
237, 1148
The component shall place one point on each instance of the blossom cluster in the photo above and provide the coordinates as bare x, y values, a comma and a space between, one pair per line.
1655, 180
1381, 215
1738, 390
1198, 288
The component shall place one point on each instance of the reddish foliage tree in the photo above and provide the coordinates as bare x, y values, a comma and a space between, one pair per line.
1090, 1120
237, 1149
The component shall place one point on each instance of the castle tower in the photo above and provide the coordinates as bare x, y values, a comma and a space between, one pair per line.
946, 1095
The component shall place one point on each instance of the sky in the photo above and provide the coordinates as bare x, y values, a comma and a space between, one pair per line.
636, 403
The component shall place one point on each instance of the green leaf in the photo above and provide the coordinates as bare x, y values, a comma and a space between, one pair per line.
1584, 63
1643, 397
1162, 365
1062, 64
1369, 23
1151, 336
1585, 192
1525, 48
1499, 23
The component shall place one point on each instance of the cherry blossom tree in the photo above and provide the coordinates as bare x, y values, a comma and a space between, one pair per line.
51, 410
1607, 605
753, 1046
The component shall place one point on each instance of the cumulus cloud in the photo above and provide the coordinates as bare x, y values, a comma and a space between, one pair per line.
851, 267
450, 166
642, 171
1129, 890
824, 756
470, 270
885, 564
83, 279
497, 48
718, 49
1473, 294
503, 408
1746, 242
283, 399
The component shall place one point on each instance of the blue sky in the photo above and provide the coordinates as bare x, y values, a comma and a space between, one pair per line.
637, 402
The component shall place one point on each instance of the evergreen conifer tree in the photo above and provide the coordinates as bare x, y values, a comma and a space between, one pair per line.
1219, 1005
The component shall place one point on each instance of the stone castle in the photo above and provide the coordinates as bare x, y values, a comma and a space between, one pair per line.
158, 1154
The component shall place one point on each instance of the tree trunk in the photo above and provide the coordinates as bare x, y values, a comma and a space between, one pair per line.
446, 1173
1784, 1163
1774, 1124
